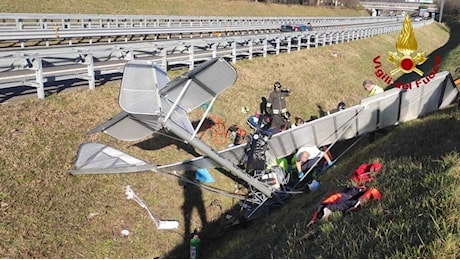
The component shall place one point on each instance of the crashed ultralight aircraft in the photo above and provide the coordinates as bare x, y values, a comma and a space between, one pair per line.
150, 102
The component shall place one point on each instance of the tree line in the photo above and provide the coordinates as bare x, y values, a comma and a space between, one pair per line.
338, 3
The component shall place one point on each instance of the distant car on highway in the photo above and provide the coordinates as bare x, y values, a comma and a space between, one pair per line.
295, 27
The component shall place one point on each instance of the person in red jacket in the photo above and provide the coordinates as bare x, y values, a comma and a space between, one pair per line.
348, 200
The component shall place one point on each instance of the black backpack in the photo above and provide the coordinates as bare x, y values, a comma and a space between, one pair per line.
255, 150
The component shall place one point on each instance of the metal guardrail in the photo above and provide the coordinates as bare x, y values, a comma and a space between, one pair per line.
174, 53
72, 35
38, 21
17, 58
397, 6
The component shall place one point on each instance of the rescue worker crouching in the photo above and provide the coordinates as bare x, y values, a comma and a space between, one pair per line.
276, 107
311, 161
309, 156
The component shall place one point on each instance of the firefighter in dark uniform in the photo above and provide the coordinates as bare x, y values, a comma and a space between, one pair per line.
276, 107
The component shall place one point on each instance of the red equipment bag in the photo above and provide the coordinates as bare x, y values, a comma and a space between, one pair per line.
365, 173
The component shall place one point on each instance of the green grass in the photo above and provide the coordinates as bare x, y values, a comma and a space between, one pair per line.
47, 213
172, 7
417, 216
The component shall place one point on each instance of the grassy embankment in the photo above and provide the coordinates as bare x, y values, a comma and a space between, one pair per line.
174, 7
46, 213
418, 214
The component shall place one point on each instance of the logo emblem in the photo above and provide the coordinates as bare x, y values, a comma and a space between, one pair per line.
406, 45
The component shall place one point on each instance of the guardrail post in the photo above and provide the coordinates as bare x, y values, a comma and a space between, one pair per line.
289, 44
129, 54
89, 61
299, 42
19, 24
278, 41
251, 49
164, 59
40, 85
214, 50
191, 51
234, 52
265, 48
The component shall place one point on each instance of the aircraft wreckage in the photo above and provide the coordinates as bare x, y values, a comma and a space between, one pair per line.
150, 102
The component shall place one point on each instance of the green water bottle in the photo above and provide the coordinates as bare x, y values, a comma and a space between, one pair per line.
194, 246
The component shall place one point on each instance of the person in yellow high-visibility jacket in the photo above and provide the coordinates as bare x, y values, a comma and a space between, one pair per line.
372, 88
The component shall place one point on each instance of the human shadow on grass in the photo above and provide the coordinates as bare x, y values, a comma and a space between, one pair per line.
193, 199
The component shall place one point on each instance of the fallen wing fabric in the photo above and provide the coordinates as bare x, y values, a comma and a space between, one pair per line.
124, 127
96, 158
